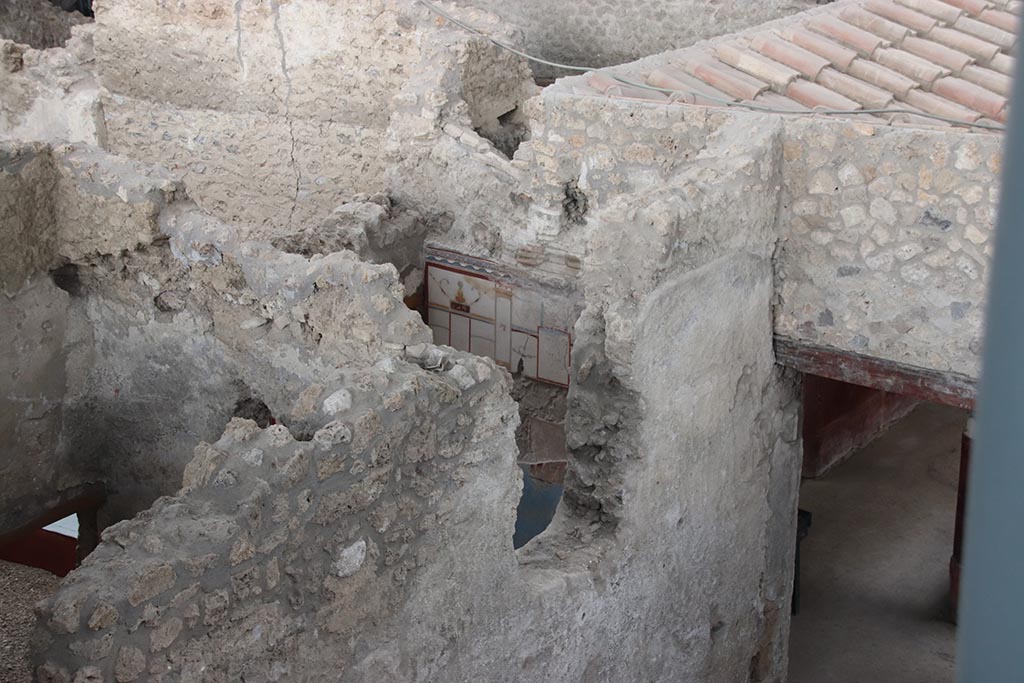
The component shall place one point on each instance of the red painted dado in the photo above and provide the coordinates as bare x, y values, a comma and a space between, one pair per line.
56, 553
840, 418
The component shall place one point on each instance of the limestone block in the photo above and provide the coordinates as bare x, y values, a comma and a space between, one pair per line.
151, 582
107, 204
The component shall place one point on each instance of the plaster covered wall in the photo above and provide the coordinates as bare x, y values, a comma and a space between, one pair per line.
670, 556
885, 232
60, 211
35, 315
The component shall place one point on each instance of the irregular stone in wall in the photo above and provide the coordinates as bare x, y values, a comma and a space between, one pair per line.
153, 581
37, 23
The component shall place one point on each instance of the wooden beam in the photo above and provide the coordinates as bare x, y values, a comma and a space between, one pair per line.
947, 388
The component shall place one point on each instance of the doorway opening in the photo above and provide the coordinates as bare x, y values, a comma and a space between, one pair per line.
881, 480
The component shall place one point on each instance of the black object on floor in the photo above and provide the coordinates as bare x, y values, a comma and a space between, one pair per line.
803, 527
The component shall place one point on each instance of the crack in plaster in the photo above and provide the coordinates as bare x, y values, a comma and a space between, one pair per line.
276, 9
238, 37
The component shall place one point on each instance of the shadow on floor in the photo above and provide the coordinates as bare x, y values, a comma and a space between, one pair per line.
874, 574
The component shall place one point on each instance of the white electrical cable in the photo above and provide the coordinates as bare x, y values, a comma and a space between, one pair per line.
670, 91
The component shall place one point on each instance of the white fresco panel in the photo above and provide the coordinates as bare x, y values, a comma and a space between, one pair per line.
437, 316
438, 321
478, 294
557, 314
439, 283
527, 310
460, 332
553, 360
513, 325
524, 348
460, 292
440, 335
481, 341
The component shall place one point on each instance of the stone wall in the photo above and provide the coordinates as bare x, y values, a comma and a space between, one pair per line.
156, 326
885, 231
887, 239
597, 33
291, 560
51, 95
293, 100
37, 23
372, 538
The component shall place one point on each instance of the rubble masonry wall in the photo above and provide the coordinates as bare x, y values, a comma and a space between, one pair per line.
38, 23
51, 95
887, 240
650, 554
296, 560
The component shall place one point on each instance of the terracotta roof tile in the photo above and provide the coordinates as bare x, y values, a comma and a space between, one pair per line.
758, 66
676, 79
990, 122
913, 119
813, 95
883, 77
934, 104
725, 78
935, 52
1000, 19
613, 88
856, 89
958, 40
902, 15
860, 40
839, 56
804, 61
870, 118
910, 65
934, 8
873, 23
777, 101
973, 96
1002, 63
974, 7
913, 59
988, 79
987, 32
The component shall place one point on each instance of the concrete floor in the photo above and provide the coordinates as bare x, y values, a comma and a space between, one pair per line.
874, 573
